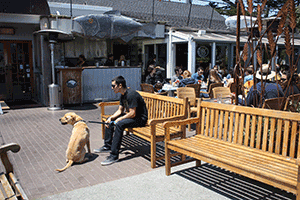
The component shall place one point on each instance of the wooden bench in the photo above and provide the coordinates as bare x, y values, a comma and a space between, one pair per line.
4, 106
11, 188
160, 109
261, 144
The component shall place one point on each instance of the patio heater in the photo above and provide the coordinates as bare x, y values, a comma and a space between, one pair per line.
54, 96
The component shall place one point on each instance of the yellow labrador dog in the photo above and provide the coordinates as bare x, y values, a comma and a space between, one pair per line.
79, 138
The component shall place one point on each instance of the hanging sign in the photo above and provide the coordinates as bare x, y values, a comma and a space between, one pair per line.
7, 31
202, 51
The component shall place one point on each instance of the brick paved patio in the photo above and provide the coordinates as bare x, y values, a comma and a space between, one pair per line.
44, 140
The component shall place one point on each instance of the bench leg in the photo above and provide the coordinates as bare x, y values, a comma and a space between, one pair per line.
103, 131
189, 116
198, 163
167, 160
183, 157
153, 152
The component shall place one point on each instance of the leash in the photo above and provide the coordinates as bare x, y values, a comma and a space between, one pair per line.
96, 122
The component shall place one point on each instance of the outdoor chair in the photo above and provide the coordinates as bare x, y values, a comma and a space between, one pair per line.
188, 92
292, 103
223, 91
196, 87
147, 87
275, 103
213, 85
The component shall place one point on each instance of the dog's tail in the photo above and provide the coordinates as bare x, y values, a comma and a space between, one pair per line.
67, 166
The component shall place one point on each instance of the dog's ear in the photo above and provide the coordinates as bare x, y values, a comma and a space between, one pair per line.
77, 118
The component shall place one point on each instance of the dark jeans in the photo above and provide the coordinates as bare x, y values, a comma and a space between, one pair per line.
114, 134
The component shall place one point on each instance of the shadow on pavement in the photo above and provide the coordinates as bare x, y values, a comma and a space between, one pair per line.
88, 106
134, 146
226, 183
231, 185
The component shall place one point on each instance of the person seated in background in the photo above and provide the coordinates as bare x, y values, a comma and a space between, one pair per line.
187, 79
159, 77
158, 88
271, 89
248, 74
150, 79
199, 75
213, 77
122, 61
110, 60
152, 61
289, 86
228, 79
177, 76
230, 74
217, 68
81, 61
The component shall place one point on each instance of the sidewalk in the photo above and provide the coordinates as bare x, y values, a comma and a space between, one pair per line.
149, 185
44, 140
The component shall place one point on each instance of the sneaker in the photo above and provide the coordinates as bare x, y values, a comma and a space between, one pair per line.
109, 160
103, 149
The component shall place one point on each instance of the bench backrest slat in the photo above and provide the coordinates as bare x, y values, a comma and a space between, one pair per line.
267, 130
293, 139
163, 106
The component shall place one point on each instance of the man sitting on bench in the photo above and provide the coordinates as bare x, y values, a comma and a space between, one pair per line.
132, 113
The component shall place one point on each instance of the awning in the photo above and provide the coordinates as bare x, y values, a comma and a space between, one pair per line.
219, 37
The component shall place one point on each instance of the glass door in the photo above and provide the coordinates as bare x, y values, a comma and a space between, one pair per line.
17, 75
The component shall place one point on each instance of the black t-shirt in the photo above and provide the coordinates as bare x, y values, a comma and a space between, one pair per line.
132, 99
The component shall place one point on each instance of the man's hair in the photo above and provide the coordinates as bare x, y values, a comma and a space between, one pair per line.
82, 56
110, 55
151, 68
250, 70
200, 68
186, 74
120, 80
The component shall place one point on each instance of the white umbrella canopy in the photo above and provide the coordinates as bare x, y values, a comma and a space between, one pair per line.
231, 21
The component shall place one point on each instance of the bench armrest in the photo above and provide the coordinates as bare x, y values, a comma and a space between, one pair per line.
4, 158
161, 120
112, 103
181, 122
10, 147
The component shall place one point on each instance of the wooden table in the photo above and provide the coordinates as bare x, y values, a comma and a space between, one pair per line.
170, 89
226, 100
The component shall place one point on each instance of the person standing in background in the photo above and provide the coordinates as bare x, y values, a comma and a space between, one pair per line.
122, 61
81, 61
110, 60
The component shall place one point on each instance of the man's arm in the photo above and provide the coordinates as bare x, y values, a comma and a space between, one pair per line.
129, 115
115, 115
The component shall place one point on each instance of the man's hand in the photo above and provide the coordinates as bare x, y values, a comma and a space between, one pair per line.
108, 121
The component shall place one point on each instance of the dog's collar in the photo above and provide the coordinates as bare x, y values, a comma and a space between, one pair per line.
79, 121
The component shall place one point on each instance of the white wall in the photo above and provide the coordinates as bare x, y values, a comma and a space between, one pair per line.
90, 48
22, 31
